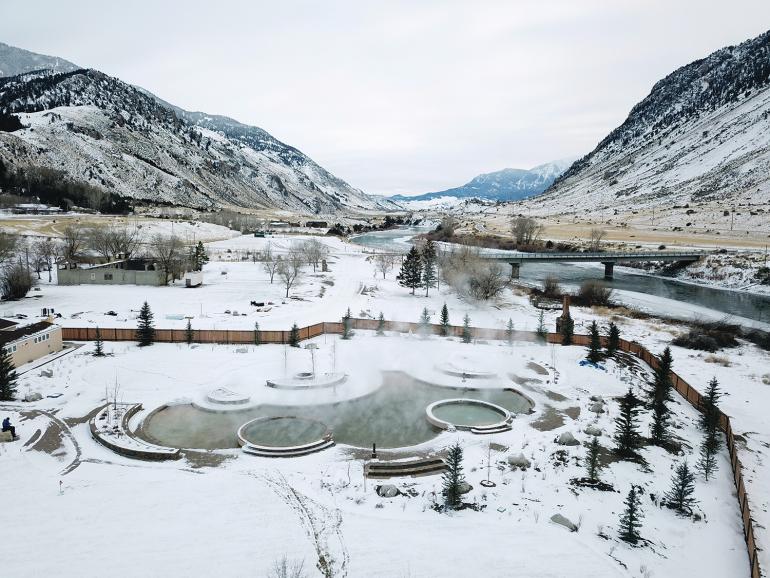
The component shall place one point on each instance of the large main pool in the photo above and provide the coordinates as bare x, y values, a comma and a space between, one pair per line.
392, 416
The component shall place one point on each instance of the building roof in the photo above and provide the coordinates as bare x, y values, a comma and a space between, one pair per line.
11, 335
6, 323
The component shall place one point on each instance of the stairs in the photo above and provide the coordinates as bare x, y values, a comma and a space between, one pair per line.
287, 452
493, 429
419, 467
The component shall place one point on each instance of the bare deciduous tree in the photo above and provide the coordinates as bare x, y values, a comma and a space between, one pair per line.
46, 251
290, 268
314, 251
597, 235
8, 245
488, 282
270, 262
384, 262
73, 243
525, 230
169, 253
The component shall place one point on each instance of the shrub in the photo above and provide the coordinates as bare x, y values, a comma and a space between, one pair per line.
593, 293
709, 336
16, 282
551, 287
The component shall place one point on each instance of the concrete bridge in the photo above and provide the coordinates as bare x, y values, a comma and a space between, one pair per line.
608, 259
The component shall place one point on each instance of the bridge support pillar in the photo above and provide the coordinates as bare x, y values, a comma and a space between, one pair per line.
515, 267
608, 270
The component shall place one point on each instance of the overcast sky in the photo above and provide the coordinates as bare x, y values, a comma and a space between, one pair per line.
396, 96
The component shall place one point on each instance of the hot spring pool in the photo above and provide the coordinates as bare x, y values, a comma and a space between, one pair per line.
392, 416
283, 432
465, 414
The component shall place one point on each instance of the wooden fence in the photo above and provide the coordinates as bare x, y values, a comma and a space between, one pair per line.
231, 336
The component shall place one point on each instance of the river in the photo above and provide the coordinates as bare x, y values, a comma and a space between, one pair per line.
694, 301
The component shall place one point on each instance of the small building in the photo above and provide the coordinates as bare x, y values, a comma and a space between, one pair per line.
30, 342
34, 209
317, 225
120, 272
193, 279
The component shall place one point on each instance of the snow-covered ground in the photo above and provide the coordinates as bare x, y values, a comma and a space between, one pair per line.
233, 514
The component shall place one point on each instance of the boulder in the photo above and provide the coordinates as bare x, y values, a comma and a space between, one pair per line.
597, 398
567, 439
387, 491
596, 407
464, 487
33, 396
593, 430
562, 521
519, 461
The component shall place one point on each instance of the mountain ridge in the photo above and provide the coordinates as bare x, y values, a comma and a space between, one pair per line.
103, 132
507, 184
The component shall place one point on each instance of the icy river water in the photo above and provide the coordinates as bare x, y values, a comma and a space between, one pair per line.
706, 299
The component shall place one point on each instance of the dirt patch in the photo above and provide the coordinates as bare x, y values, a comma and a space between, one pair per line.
551, 419
50, 441
539, 369
553, 396
518, 380
205, 459
573, 412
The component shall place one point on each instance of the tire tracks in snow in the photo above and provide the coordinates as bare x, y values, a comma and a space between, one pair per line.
322, 524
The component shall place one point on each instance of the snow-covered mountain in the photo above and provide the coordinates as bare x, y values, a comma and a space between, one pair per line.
103, 132
15, 61
702, 134
504, 185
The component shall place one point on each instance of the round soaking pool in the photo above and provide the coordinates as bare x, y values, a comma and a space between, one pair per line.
281, 432
466, 413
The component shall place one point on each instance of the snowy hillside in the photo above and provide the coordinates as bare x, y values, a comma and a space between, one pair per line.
701, 135
15, 61
504, 185
109, 134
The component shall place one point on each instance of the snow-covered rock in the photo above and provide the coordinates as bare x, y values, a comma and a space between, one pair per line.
563, 521
593, 430
567, 439
387, 491
518, 461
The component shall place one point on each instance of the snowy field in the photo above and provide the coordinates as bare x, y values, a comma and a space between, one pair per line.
228, 513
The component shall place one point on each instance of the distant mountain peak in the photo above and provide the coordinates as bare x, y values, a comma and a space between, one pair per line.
504, 185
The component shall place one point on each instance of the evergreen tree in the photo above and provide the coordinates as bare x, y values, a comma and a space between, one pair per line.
429, 274
712, 437
660, 396
145, 332
567, 328
257, 337
466, 329
627, 438
509, 331
411, 271
659, 426
7, 376
425, 321
680, 497
346, 325
98, 344
453, 477
662, 381
592, 459
631, 518
188, 333
595, 345
444, 320
198, 256
542, 330
294, 335
613, 339
381, 324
